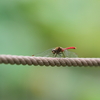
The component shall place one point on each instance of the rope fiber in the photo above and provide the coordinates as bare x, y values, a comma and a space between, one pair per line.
48, 61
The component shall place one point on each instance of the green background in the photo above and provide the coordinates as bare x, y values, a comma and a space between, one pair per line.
30, 27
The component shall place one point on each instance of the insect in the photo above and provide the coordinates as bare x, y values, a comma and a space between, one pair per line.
58, 52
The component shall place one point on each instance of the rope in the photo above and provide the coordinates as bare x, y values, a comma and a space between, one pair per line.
48, 61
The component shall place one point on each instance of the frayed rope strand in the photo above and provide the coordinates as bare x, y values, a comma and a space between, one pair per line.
48, 61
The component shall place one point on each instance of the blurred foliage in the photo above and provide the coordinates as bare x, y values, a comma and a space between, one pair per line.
29, 27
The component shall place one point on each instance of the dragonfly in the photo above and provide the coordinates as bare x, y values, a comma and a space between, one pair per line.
58, 52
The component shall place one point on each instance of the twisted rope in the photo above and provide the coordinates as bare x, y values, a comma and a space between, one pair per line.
48, 61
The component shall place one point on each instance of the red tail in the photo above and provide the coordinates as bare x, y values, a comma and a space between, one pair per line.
69, 48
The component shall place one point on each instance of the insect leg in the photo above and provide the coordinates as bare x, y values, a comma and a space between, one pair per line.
59, 54
56, 55
63, 54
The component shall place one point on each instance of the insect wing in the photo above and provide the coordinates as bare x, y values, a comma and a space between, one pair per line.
47, 53
70, 54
